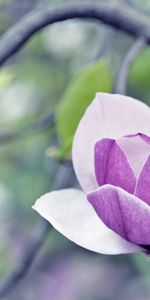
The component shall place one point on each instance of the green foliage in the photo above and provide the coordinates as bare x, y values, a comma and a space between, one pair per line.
139, 77
78, 95
6, 76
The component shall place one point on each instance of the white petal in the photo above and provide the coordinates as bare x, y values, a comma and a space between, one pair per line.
72, 215
109, 116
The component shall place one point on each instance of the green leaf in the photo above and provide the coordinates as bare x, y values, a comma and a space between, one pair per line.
79, 94
6, 76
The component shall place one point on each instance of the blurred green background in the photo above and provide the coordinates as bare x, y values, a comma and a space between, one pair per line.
59, 70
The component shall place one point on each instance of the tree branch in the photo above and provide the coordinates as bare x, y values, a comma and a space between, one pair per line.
127, 62
36, 241
64, 178
121, 17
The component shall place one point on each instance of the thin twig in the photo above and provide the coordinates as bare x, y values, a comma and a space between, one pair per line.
40, 124
64, 178
120, 16
126, 65
28, 256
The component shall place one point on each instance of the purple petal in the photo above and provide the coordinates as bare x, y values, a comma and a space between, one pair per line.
136, 149
70, 213
124, 213
110, 116
142, 189
112, 166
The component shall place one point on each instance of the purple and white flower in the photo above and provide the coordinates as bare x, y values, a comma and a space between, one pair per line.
111, 158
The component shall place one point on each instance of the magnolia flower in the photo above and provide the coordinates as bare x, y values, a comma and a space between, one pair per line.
111, 158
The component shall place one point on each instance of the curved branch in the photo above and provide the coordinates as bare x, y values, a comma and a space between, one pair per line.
121, 17
127, 62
